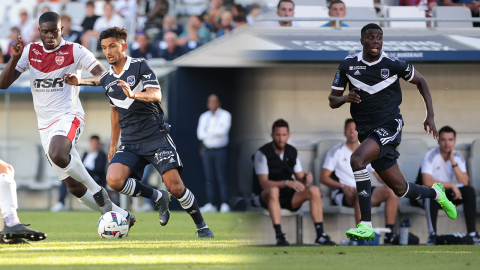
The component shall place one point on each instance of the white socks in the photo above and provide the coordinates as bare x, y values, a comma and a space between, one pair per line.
8, 199
89, 201
367, 223
78, 172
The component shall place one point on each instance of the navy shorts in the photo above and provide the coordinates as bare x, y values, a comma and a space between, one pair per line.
388, 137
161, 153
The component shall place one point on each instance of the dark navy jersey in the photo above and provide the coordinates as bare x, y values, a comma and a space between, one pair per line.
139, 121
380, 93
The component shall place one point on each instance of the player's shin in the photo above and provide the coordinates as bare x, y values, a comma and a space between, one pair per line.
132, 187
364, 190
189, 203
8, 199
77, 171
89, 202
418, 192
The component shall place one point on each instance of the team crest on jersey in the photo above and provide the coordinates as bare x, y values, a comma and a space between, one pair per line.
59, 60
131, 80
385, 72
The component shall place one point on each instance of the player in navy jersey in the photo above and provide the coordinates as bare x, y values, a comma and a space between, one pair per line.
375, 97
135, 97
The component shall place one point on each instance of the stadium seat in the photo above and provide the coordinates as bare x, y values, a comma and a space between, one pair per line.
454, 13
14, 11
473, 167
322, 3
361, 12
358, 3
55, 7
76, 11
245, 165
406, 12
311, 11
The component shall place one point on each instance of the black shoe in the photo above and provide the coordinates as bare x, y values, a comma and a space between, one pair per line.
324, 240
162, 205
103, 201
205, 233
131, 220
15, 241
281, 241
476, 239
432, 239
21, 231
389, 238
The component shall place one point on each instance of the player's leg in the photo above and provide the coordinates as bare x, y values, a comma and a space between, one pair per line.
385, 194
469, 200
210, 187
351, 199
270, 199
312, 194
8, 205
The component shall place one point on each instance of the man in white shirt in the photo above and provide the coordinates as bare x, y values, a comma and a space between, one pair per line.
108, 20
440, 165
26, 26
344, 191
285, 8
274, 187
213, 128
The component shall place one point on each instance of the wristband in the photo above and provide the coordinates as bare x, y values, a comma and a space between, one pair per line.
286, 183
453, 166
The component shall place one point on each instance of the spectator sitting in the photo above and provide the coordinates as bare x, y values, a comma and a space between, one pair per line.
155, 18
473, 5
344, 191
169, 25
226, 23
195, 31
274, 165
214, 13
169, 50
427, 5
13, 37
336, 9
141, 49
285, 8
238, 9
91, 18
67, 33
127, 8
439, 165
45, 8
240, 20
110, 19
26, 26
255, 11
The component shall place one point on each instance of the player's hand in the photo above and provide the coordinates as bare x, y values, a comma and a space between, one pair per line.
126, 89
71, 79
458, 193
308, 177
111, 152
451, 157
353, 97
429, 126
296, 185
17, 47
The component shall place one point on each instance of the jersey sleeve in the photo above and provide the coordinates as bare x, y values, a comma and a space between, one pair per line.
340, 80
84, 58
427, 166
298, 166
405, 70
330, 162
260, 163
148, 77
24, 62
460, 161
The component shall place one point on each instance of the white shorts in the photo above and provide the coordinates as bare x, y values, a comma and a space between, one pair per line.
70, 126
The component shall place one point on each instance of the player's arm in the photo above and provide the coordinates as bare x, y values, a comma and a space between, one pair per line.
422, 86
267, 183
10, 74
115, 119
459, 168
329, 181
97, 72
151, 94
337, 99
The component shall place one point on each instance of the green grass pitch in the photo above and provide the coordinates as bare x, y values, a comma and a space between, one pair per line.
73, 243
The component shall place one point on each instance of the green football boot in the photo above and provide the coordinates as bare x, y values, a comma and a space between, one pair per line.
361, 232
444, 202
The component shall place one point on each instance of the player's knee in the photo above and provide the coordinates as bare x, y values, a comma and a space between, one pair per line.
177, 189
314, 191
60, 158
357, 161
115, 182
273, 193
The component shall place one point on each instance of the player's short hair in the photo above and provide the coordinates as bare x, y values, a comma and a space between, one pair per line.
90, 3
115, 32
49, 16
283, 1
336, 2
370, 26
95, 137
447, 129
348, 121
280, 123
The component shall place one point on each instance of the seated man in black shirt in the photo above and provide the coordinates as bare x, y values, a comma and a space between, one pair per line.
68, 34
169, 50
144, 50
91, 18
275, 164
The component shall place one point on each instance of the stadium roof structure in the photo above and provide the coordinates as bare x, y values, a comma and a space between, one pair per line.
259, 46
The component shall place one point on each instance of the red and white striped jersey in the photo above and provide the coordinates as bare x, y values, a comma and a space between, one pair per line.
53, 98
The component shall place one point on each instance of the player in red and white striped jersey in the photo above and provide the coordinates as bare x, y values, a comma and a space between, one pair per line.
59, 111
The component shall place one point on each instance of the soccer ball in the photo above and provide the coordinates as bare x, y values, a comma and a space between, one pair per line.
112, 225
